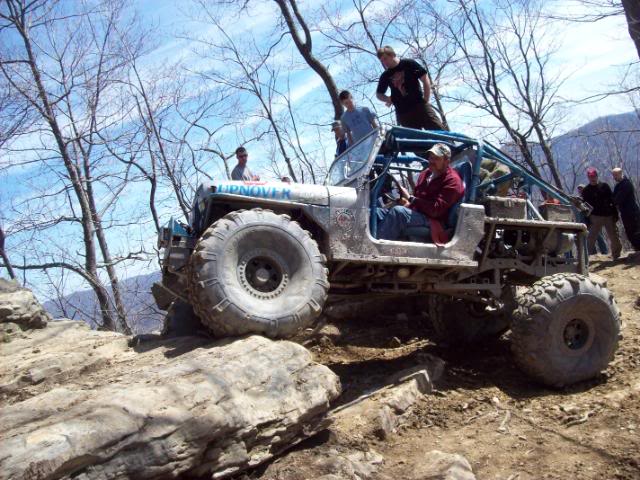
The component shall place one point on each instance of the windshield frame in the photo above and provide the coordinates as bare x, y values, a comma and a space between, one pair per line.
378, 136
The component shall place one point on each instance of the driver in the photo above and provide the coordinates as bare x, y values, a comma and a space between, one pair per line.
439, 187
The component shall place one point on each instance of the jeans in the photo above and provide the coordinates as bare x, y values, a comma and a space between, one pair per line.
602, 244
393, 223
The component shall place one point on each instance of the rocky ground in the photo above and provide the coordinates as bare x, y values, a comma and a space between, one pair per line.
92, 405
82, 404
483, 408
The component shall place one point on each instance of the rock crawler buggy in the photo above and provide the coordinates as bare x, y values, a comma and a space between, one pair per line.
265, 257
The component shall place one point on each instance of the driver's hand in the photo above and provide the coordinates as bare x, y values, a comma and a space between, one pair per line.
388, 102
404, 193
404, 202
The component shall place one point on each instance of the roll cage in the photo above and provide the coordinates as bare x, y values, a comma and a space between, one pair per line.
397, 150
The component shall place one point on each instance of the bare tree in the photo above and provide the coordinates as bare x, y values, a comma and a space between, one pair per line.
5, 257
247, 71
632, 12
595, 10
62, 66
301, 34
506, 72
355, 36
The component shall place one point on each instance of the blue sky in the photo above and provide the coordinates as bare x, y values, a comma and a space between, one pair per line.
593, 56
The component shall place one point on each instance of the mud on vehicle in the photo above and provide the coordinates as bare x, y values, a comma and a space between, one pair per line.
266, 257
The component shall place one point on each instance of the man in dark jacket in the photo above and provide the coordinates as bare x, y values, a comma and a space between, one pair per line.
604, 214
438, 188
582, 218
624, 197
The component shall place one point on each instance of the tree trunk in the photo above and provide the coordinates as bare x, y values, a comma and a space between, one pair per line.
632, 12
74, 175
548, 154
305, 49
5, 257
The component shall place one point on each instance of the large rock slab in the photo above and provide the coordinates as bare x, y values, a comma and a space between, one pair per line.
82, 404
19, 306
382, 411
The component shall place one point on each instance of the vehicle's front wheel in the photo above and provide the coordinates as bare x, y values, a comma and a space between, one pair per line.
565, 329
254, 271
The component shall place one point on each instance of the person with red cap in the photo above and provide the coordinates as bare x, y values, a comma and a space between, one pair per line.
604, 214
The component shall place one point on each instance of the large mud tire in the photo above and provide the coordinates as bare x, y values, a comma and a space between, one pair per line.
565, 329
254, 271
456, 322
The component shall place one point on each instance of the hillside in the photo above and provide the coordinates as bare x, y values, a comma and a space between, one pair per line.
138, 302
606, 142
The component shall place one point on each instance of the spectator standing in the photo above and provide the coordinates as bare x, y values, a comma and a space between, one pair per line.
341, 137
600, 242
410, 99
356, 121
599, 196
624, 197
241, 171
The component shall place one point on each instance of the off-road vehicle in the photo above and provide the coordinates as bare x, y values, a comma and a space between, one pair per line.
265, 257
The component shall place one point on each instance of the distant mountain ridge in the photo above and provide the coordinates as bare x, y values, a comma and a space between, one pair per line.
144, 317
604, 143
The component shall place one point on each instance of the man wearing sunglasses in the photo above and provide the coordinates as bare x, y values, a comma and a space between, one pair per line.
241, 171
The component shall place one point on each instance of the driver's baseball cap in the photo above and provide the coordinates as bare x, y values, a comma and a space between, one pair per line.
440, 150
592, 172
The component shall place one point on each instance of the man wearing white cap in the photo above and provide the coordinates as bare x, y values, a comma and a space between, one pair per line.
624, 196
438, 188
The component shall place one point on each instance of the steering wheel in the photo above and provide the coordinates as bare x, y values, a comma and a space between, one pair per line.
393, 196
399, 189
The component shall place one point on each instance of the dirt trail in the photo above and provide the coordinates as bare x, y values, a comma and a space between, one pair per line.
485, 409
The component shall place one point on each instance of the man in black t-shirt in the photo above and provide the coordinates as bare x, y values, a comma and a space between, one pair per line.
410, 99
604, 213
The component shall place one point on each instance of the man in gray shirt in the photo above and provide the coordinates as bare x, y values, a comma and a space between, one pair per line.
241, 171
357, 121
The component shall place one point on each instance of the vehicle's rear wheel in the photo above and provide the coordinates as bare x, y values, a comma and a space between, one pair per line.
565, 329
254, 271
460, 322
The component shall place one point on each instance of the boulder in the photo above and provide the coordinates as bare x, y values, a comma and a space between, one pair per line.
348, 465
437, 465
82, 404
19, 306
381, 412
327, 462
